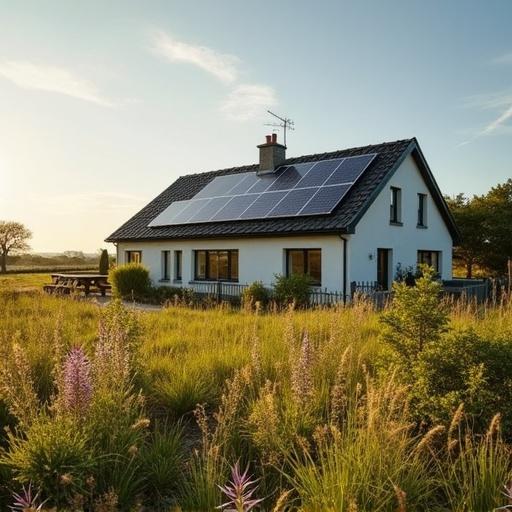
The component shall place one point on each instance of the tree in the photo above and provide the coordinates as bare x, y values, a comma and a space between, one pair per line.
469, 217
417, 316
485, 223
104, 265
13, 238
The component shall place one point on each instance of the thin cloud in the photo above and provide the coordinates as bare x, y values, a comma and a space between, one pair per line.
503, 59
52, 79
221, 65
248, 101
501, 102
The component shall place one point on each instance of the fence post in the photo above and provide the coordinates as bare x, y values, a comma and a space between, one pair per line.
219, 291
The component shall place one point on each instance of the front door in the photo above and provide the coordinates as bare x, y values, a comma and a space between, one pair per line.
383, 268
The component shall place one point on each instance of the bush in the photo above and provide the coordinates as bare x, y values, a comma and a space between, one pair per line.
54, 456
416, 316
256, 292
463, 367
130, 280
292, 289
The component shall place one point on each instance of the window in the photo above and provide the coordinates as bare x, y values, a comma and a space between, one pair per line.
305, 261
216, 265
133, 256
422, 210
395, 216
166, 257
430, 258
177, 265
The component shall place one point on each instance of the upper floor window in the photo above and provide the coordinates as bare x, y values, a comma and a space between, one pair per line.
430, 258
422, 210
177, 265
305, 261
166, 257
217, 265
133, 256
395, 214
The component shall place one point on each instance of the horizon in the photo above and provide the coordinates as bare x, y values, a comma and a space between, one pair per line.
103, 106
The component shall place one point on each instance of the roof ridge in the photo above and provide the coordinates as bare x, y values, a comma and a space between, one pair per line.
251, 167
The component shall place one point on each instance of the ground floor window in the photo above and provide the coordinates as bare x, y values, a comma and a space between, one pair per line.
216, 265
177, 265
166, 263
305, 261
430, 258
133, 256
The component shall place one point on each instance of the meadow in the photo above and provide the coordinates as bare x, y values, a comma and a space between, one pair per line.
340, 409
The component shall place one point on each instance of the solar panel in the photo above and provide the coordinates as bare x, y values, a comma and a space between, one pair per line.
307, 188
236, 206
325, 200
263, 205
349, 170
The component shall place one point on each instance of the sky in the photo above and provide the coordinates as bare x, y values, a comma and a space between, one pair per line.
103, 104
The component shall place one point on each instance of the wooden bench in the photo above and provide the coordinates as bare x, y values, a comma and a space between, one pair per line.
57, 289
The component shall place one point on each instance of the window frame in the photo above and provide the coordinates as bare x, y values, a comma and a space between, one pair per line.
438, 267
128, 256
305, 252
165, 266
395, 206
207, 254
178, 266
422, 210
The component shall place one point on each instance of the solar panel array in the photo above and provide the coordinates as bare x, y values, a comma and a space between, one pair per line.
312, 188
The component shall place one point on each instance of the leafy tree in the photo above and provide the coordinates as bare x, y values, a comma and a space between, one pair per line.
13, 238
497, 204
416, 316
469, 217
104, 263
485, 224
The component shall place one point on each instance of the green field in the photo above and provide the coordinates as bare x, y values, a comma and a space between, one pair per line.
321, 405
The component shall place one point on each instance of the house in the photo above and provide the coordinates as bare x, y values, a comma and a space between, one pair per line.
347, 216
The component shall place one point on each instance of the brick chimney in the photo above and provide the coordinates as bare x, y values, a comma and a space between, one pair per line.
272, 154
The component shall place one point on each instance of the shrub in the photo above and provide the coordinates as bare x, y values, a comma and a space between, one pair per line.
256, 292
130, 280
463, 367
292, 289
104, 263
416, 316
54, 456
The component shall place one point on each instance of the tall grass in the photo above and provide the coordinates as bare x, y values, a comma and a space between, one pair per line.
314, 402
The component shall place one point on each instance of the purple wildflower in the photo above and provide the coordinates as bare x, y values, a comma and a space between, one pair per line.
239, 491
26, 501
77, 385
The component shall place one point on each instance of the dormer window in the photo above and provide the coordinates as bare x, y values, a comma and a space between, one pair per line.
422, 210
395, 215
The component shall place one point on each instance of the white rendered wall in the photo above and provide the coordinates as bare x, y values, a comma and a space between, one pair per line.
374, 230
259, 259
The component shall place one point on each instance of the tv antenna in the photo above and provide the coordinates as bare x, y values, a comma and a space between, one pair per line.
285, 123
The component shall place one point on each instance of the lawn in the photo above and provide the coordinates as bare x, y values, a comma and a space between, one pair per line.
23, 281
330, 409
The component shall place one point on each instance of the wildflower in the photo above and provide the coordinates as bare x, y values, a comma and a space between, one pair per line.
239, 491
27, 500
133, 450
66, 479
77, 386
302, 378
141, 424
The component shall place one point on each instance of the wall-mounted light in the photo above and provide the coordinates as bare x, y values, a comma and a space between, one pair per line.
370, 256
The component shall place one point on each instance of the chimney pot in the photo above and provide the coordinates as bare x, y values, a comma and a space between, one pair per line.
274, 138
269, 139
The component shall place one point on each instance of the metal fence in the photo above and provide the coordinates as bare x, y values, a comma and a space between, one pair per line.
218, 290
467, 289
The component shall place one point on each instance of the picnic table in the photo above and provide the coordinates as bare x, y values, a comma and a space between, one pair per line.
66, 283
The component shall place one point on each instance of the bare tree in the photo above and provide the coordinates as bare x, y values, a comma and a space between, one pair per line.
13, 238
